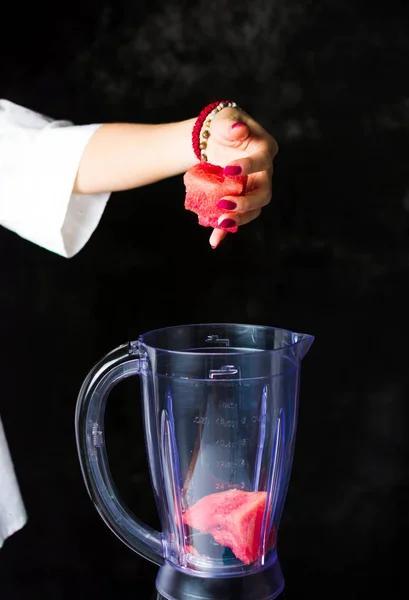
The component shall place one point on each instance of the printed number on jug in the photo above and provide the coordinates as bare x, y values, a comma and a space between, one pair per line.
226, 423
230, 444
225, 486
201, 420
228, 464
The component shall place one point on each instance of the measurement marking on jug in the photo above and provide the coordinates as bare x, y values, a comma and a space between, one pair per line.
201, 420
96, 435
228, 464
215, 339
227, 443
226, 423
224, 486
258, 419
229, 405
230, 444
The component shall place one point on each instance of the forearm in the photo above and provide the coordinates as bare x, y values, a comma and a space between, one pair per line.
121, 156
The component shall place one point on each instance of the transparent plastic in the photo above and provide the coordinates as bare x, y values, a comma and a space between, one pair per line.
220, 404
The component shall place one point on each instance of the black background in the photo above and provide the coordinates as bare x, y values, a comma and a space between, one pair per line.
329, 256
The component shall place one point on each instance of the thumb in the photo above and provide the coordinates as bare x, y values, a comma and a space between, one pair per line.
229, 129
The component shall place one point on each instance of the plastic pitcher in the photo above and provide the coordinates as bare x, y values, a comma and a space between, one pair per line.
220, 405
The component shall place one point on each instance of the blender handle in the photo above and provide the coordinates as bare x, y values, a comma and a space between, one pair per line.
117, 365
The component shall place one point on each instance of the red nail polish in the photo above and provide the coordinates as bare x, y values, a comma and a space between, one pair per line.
227, 224
226, 205
237, 124
232, 170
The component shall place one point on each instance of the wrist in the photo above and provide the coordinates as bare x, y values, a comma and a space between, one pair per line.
177, 142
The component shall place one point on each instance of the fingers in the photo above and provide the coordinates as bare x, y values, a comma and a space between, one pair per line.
217, 236
255, 163
236, 205
259, 195
229, 221
240, 210
238, 130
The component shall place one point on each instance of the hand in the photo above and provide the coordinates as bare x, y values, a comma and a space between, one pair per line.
236, 140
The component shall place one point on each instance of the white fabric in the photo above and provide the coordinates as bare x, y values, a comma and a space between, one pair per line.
12, 513
39, 159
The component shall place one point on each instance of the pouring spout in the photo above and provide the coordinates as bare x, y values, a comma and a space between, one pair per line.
303, 343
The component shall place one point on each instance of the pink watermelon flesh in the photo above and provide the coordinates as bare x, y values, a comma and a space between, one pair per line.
205, 185
192, 550
234, 519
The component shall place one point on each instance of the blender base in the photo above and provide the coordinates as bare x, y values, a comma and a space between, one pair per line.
266, 584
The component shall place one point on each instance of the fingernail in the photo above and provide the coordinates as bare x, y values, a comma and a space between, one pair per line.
237, 124
226, 205
232, 170
227, 223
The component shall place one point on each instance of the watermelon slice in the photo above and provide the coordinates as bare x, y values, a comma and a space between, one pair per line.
205, 185
234, 519
192, 550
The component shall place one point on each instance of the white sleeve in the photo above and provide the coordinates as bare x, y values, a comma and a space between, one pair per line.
39, 159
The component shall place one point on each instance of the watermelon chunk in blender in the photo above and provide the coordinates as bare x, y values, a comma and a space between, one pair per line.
234, 519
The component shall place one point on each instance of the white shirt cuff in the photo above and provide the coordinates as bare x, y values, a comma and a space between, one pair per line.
37, 201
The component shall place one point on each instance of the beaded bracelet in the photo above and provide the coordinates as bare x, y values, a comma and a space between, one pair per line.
201, 129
